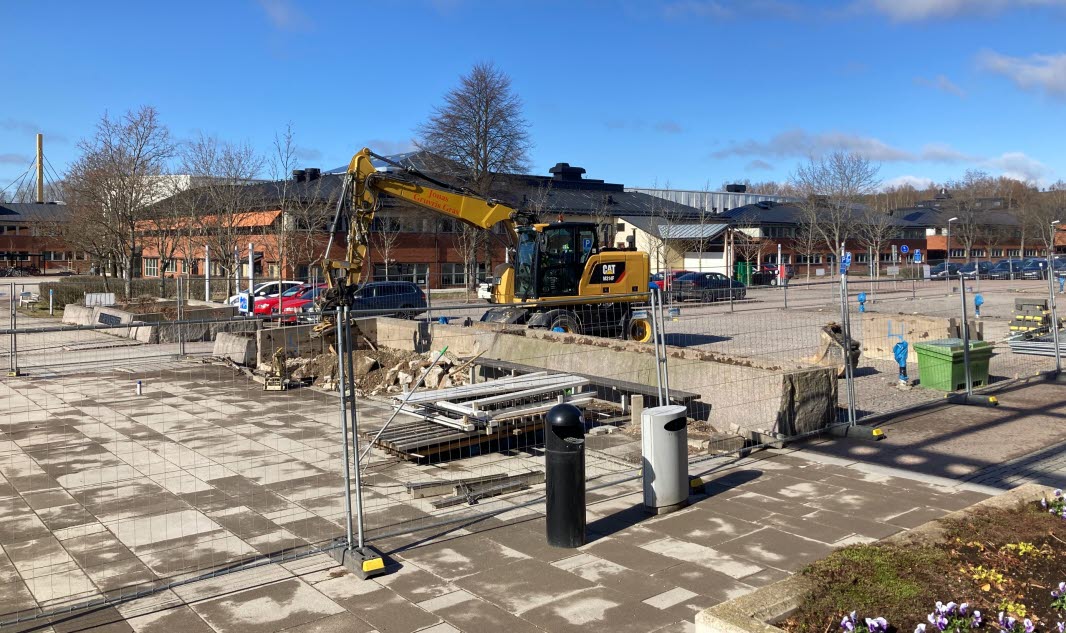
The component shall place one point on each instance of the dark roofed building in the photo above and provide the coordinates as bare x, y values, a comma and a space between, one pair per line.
29, 237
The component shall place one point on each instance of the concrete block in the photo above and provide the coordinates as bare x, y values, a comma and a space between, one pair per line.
77, 315
239, 348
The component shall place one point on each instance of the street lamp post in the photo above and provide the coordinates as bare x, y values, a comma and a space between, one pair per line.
1051, 288
947, 250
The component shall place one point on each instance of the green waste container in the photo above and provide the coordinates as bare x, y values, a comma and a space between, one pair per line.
941, 367
742, 272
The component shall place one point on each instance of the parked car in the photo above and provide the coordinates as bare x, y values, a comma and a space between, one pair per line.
300, 308
265, 289
266, 306
665, 280
944, 270
401, 299
707, 287
768, 275
1034, 268
1006, 269
973, 270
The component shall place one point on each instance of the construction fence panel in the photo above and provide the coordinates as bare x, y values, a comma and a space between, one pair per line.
129, 465
928, 317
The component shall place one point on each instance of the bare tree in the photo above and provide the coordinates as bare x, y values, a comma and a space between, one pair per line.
385, 235
117, 175
1048, 207
874, 228
480, 126
469, 240
226, 170
832, 186
968, 204
165, 226
807, 242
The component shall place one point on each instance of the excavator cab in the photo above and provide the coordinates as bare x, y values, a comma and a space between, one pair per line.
550, 258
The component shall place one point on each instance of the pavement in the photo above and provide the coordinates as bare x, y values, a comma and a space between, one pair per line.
107, 493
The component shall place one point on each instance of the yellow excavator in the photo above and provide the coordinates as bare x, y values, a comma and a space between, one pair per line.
561, 277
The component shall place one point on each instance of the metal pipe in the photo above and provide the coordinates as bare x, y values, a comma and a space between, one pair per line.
181, 315
666, 355
342, 384
251, 270
348, 353
207, 273
653, 322
1051, 292
965, 329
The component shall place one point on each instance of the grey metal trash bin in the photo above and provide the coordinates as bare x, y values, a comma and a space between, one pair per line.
664, 447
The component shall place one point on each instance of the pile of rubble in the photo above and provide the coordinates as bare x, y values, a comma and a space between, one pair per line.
381, 371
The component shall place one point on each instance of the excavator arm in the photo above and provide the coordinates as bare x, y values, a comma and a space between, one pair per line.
364, 184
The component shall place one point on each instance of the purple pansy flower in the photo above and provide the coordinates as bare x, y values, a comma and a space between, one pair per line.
921, 628
1029, 626
1061, 591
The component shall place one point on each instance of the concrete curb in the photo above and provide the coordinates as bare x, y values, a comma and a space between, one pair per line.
754, 612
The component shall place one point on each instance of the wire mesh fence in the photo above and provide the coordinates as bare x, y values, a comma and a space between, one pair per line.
148, 445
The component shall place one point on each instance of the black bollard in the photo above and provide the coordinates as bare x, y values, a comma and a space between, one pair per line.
565, 476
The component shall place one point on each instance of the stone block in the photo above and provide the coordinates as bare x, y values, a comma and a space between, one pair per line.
239, 348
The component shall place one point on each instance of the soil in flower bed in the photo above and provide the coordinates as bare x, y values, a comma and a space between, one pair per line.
994, 559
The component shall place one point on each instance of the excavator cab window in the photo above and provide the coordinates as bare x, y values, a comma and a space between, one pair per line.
563, 253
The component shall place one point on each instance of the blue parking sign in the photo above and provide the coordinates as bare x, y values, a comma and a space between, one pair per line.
917, 256
847, 259
904, 249
242, 303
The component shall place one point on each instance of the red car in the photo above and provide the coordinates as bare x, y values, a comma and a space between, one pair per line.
300, 305
269, 305
665, 280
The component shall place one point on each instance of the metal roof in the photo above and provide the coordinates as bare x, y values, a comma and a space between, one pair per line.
34, 212
663, 228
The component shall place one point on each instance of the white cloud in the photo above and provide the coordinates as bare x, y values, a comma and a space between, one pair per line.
1020, 166
388, 148
942, 83
1035, 73
668, 127
921, 10
284, 15
918, 182
800, 143
15, 159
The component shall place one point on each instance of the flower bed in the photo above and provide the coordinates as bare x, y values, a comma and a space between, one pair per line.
995, 569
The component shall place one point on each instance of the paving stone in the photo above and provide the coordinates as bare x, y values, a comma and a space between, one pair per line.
874, 507
670, 598
61, 517
387, 612
742, 511
472, 615
917, 516
705, 581
684, 551
414, 583
182, 619
523, 585
630, 556
595, 608
862, 526
521, 538
340, 623
47, 499
614, 576
463, 556
774, 548
276, 606
703, 526
809, 528
106, 620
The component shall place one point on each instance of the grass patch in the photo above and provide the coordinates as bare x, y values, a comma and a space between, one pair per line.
996, 560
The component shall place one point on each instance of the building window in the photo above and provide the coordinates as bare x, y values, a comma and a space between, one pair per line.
862, 258
455, 274
172, 266
1030, 252
997, 252
779, 231
151, 266
416, 273
772, 258
1014, 252
958, 252
887, 258
977, 252
809, 259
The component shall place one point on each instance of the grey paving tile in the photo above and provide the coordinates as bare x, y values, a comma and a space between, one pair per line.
182, 619
702, 525
387, 612
340, 623
462, 556
276, 606
918, 516
630, 556
595, 608
774, 548
472, 615
809, 528
523, 585
862, 526
414, 583
614, 576
704, 580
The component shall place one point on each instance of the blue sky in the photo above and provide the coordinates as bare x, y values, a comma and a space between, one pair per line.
678, 92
